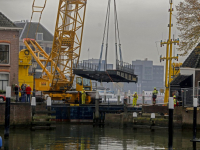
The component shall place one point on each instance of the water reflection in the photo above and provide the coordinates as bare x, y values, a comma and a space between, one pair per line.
85, 137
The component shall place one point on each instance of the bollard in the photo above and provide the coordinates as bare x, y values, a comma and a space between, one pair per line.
33, 105
134, 117
153, 116
170, 125
118, 97
194, 122
129, 96
104, 95
49, 103
97, 105
7, 112
143, 97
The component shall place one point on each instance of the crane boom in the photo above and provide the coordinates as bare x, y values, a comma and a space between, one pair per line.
66, 46
67, 38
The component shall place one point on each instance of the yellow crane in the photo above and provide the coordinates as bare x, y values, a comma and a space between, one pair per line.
66, 49
168, 58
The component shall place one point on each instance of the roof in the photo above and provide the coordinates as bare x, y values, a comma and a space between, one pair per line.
5, 22
193, 60
47, 36
179, 79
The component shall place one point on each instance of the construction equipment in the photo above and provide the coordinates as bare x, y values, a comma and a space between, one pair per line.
168, 58
58, 81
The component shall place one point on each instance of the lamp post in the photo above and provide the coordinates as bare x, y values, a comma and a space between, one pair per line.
34, 66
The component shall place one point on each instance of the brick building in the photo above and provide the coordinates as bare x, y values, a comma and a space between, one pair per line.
9, 52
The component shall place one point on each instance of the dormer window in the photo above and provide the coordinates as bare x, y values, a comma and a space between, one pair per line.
39, 36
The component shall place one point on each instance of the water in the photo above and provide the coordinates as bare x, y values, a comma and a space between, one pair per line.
82, 137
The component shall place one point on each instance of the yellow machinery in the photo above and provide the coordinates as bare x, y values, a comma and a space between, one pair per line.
43, 84
24, 64
175, 69
66, 49
168, 58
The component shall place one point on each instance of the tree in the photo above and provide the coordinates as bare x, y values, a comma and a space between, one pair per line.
188, 21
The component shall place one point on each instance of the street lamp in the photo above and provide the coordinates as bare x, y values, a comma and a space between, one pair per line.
34, 66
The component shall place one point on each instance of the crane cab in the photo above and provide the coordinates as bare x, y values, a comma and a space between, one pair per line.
83, 83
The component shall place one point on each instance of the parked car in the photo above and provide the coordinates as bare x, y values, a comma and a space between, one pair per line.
2, 98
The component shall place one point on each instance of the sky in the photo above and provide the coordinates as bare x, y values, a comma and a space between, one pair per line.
142, 25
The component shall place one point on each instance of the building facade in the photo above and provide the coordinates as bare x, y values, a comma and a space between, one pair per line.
149, 76
9, 53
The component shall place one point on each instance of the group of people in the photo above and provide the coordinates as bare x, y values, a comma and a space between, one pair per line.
25, 91
154, 96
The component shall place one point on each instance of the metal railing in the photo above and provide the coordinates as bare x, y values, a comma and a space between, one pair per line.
120, 65
123, 66
85, 65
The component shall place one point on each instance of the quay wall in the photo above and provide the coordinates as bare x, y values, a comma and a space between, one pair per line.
20, 114
182, 118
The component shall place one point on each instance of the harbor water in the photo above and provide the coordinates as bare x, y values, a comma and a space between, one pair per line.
84, 137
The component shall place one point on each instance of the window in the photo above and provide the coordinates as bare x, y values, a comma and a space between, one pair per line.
4, 78
86, 82
39, 36
4, 53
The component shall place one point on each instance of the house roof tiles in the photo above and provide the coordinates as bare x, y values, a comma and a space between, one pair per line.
5, 22
47, 36
193, 60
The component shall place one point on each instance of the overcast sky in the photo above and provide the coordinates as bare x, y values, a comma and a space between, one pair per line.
142, 24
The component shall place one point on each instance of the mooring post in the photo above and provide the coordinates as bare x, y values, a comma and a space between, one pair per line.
170, 125
129, 96
143, 97
7, 112
194, 122
153, 116
134, 117
118, 97
97, 105
33, 105
49, 103
49, 106
104, 95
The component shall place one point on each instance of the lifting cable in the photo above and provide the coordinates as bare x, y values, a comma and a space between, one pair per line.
117, 33
107, 37
114, 82
107, 18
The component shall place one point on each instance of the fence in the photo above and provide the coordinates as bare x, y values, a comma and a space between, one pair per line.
185, 95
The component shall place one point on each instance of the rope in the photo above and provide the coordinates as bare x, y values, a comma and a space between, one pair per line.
112, 80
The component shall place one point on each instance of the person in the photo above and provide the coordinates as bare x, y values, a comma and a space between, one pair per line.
135, 97
83, 95
28, 93
175, 102
154, 95
16, 92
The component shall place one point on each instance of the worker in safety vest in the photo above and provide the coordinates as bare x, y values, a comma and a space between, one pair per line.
135, 97
83, 95
175, 102
154, 95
